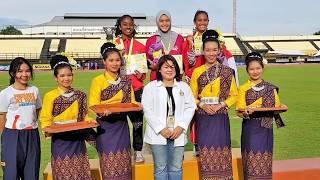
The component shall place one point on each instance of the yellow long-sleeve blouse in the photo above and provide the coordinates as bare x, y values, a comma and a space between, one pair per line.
46, 118
241, 102
99, 84
211, 89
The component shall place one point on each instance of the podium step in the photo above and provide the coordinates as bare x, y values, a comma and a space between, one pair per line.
296, 169
144, 171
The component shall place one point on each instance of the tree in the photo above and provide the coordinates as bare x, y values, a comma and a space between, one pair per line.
10, 30
316, 33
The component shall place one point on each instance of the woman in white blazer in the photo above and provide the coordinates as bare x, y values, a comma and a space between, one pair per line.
168, 107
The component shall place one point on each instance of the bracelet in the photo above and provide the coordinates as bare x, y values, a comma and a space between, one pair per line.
201, 104
224, 105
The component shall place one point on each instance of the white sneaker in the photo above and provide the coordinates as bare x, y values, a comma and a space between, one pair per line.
196, 151
138, 157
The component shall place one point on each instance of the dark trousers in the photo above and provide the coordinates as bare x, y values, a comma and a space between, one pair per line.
20, 154
136, 119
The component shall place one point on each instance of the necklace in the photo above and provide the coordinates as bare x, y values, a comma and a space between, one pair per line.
215, 76
114, 82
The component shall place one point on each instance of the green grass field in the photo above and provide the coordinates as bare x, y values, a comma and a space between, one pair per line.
299, 90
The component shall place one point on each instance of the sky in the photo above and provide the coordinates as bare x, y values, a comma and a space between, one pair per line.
254, 17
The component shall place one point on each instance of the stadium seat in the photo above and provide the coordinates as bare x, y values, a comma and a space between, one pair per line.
27, 48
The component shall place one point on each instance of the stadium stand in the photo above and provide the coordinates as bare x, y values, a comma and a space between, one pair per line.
304, 46
258, 45
84, 48
27, 48
233, 46
317, 43
54, 45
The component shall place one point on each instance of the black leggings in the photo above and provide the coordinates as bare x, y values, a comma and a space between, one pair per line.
136, 119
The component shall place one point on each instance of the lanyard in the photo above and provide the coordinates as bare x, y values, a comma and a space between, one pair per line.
130, 47
214, 76
170, 106
197, 44
166, 50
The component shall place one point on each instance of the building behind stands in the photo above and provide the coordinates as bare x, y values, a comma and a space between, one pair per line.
80, 35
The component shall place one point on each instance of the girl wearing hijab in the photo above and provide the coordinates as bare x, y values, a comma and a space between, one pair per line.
165, 41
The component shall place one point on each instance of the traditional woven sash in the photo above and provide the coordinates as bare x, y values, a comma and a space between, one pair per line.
113, 89
64, 101
225, 75
268, 100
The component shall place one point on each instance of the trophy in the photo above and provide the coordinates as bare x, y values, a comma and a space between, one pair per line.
109, 33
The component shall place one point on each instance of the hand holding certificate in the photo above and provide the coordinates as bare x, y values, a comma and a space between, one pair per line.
136, 62
179, 61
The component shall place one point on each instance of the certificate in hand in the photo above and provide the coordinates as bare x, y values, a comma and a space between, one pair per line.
179, 61
136, 62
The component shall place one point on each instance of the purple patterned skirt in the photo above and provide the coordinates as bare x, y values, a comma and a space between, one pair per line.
69, 157
113, 146
256, 150
213, 137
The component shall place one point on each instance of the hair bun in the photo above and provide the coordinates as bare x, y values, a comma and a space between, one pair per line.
58, 59
255, 56
106, 46
210, 34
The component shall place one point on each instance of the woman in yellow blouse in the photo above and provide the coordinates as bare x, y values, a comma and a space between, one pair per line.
62, 105
113, 139
214, 88
257, 132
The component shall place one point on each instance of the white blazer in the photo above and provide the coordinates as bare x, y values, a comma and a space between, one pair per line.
154, 101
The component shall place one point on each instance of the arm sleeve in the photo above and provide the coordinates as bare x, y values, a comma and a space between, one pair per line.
233, 94
232, 64
46, 117
38, 100
194, 87
148, 109
189, 109
241, 101
133, 99
95, 93
4, 102
277, 99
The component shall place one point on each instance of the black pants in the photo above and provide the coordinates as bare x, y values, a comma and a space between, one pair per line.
136, 119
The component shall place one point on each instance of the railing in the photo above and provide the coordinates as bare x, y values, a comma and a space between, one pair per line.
76, 55
10, 56
84, 55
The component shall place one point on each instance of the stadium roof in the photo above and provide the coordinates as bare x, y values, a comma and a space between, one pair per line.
96, 19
